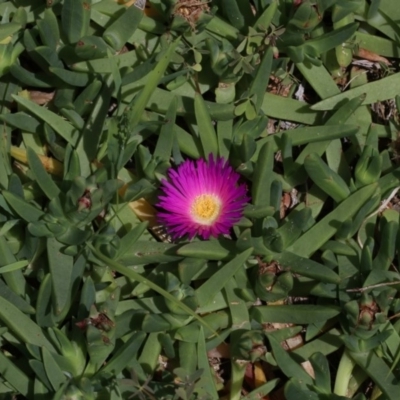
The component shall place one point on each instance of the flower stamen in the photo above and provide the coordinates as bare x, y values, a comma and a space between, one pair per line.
206, 208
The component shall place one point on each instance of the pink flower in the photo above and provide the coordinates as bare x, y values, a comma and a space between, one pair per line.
201, 198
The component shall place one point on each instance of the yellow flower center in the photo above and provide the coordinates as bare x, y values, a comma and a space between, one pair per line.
205, 209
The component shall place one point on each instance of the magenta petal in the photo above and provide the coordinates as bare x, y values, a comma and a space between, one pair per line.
215, 178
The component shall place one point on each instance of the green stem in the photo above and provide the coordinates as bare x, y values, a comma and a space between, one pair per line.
238, 371
344, 374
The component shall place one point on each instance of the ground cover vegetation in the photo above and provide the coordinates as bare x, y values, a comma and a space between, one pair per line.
198, 199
